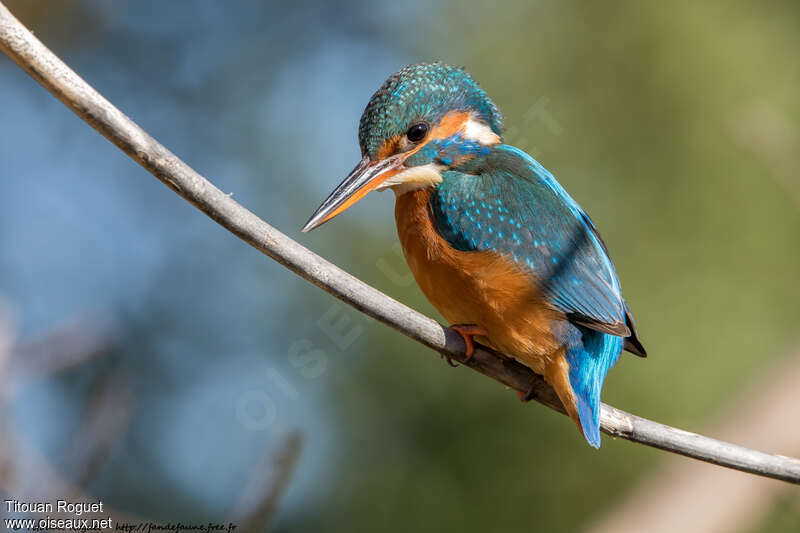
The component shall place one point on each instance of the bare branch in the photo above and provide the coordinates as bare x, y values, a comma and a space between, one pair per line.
24, 471
105, 422
32, 56
262, 493
69, 344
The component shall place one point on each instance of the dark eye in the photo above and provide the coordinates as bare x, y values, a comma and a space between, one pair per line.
417, 132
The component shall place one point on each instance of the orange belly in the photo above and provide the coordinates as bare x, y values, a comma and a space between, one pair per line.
487, 290
481, 288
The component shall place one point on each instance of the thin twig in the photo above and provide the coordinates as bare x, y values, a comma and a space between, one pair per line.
105, 422
25, 472
69, 344
32, 56
262, 493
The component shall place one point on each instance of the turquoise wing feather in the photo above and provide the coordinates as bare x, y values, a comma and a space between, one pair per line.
508, 203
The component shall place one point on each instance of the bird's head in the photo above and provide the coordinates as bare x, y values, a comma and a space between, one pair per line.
424, 119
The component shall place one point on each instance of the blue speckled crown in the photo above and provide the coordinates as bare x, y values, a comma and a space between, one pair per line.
422, 92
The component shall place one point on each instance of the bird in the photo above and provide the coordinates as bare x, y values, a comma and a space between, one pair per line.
495, 243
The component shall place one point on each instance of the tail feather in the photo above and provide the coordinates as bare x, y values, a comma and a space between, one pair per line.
590, 356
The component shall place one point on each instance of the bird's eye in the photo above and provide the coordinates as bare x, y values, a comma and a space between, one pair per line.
417, 132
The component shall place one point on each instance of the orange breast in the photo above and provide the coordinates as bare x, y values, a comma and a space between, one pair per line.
482, 288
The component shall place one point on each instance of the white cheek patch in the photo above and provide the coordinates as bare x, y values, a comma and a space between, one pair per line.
476, 130
413, 178
430, 175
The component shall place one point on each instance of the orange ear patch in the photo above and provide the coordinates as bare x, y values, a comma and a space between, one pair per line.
450, 124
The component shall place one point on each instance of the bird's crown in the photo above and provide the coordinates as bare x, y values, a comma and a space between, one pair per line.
425, 118
424, 93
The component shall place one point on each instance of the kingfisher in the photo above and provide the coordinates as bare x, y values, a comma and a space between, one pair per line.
494, 241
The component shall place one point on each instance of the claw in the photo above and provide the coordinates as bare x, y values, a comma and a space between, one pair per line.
467, 332
449, 360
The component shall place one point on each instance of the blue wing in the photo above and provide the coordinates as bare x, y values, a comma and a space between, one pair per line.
508, 203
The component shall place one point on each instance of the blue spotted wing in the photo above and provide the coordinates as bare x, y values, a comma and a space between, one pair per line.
506, 202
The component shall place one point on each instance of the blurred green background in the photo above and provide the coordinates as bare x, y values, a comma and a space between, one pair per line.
675, 125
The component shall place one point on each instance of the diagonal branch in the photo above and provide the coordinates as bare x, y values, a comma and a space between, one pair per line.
259, 500
33, 57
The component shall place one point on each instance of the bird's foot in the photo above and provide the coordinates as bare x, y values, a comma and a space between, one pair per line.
449, 360
525, 396
467, 332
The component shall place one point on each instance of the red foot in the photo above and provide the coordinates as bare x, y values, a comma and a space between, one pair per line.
467, 332
525, 396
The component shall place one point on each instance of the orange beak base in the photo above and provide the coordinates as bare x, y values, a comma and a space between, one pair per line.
364, 178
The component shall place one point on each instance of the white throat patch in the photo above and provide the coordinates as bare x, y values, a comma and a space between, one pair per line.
413, 178
476, 130
423, 176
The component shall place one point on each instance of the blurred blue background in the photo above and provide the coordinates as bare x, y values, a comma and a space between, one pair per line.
675, 126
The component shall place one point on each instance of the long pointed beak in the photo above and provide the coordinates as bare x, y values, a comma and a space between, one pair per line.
364, 178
